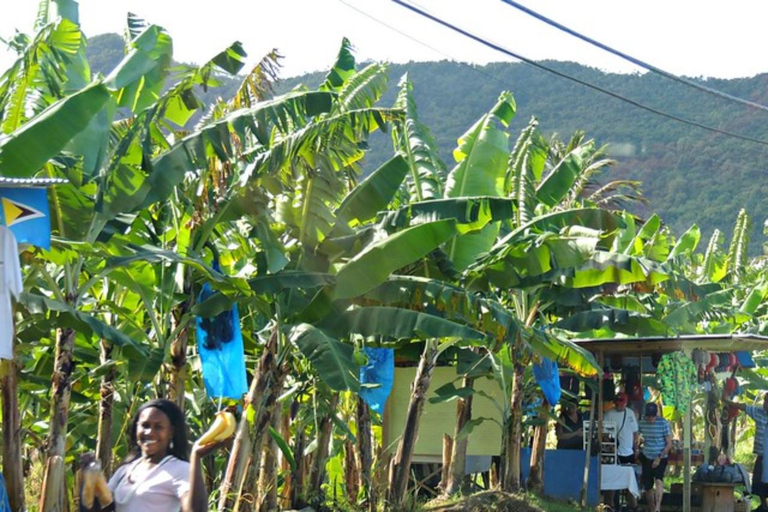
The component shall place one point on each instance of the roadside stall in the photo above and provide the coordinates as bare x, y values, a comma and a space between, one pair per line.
683, 366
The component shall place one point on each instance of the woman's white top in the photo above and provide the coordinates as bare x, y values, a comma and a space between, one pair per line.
158, 490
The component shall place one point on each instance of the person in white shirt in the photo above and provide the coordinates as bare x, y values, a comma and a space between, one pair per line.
627, 435
158, 474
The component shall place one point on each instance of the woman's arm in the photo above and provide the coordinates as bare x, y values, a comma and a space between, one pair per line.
196, 500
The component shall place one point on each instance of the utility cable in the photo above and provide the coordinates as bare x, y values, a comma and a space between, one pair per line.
633, 60
537, 65
425, 45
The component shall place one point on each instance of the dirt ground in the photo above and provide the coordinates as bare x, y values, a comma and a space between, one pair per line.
485, 501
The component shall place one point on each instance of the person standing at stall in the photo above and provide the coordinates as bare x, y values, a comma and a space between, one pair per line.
760, 417
627, 434
569, 428
657, 442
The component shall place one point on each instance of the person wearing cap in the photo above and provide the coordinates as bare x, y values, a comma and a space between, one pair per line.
657, 442
627, 435
760, 416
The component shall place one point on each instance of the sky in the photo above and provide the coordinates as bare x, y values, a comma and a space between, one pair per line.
696, 39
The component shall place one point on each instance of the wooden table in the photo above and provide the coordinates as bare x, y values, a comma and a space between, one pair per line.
717, 497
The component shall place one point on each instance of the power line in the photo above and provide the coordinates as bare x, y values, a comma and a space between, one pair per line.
633, 60
422, 43
537, 65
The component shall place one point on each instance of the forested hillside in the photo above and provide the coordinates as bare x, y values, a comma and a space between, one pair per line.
690, 175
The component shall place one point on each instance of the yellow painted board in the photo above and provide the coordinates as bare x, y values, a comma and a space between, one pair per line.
439, 419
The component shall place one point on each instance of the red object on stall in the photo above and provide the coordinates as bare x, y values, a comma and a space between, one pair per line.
713, 361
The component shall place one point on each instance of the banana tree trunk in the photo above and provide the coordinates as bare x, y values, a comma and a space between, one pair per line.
535, 481
13, 470
365, 453
272, 380
240, 457
401, 464
61, 391
351, 473
459, 447
268, 477
317, 473
106, 403
512, 435
297, 476
177, 368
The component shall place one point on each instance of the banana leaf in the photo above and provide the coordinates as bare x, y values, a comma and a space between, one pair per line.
374, 193
565, 353
399, 324
470, 213
39, 304
481, 169
333, 360
376, 262
607, 267
265, 285
28, 148
617, 320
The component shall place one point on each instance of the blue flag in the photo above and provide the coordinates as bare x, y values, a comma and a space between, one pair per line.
25, 212
220, 344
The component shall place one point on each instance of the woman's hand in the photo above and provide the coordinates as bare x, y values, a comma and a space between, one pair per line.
201, 451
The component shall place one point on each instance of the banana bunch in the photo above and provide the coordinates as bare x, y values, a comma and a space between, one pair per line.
95, 486
222, 428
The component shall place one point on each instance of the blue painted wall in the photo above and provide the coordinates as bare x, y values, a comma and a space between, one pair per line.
564, 474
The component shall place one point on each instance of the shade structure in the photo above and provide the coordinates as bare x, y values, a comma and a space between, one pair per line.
664, 344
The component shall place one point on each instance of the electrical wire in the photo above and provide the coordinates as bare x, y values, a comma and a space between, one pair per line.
425, 45
636, 61
537, 65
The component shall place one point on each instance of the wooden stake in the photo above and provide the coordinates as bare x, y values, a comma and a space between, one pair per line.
13, 470
445, 475
588, 458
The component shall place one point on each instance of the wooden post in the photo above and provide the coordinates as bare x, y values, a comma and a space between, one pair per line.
584, 487
687, 460
601, 362
445, 475
12, 464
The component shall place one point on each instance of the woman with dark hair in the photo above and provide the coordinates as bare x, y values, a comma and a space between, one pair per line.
158, 474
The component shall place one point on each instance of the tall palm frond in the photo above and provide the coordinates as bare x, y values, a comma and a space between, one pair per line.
521, 178
258, 84
414, 139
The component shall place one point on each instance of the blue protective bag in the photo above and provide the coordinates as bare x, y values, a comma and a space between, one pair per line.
548, 379
220, 345
380, 370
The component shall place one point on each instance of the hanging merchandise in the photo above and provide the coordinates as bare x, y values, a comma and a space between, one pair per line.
379, 371
713, 361
547, 378
10, 287
220, 344
745, 360
676, 375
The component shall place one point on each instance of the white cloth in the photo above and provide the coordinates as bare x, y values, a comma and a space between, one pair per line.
10, 286
626, 434
614, 477
160, 490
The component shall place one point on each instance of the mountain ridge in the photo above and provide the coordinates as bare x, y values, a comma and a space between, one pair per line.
688, 174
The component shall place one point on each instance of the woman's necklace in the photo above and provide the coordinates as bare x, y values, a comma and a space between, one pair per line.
127, 486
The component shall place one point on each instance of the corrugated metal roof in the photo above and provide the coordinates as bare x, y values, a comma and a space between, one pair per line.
661, 344
30, 182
